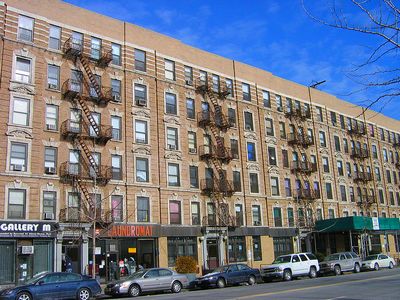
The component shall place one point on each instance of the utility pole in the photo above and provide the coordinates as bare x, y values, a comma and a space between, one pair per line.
94, 231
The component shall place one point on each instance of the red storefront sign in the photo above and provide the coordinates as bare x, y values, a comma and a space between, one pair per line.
133, 231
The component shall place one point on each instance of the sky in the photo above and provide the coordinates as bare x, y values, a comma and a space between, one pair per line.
277, 36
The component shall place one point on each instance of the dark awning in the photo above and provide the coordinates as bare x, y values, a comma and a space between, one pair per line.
357, 223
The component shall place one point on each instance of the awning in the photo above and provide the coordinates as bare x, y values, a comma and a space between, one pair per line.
357, 223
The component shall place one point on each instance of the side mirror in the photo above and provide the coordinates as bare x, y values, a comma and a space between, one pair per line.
40, 282
146, 276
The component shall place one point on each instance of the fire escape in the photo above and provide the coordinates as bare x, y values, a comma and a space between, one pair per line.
302, 168
360, 154
84, 131
217, 187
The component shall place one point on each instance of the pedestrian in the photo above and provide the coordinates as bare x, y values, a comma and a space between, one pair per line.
68, 264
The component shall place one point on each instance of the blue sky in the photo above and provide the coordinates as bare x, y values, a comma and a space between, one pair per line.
273, 35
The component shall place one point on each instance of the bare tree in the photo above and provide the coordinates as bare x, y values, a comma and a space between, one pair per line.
380, 21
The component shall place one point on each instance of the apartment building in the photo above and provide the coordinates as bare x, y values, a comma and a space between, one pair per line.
161, 150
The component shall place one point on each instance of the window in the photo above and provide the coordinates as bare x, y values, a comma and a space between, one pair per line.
18, 157
95, 48
340, 168
77, 41
328, 187
229, 87
190, 109
239, 214
50, 160
194, 176
235, 148
269, 125
348, 169
343, 194
172, 138
254, 183
211, 216
215, 83
116, 90
117, 207
53, 77
16, 203
116, 54
143, 209
342, 123
140, 60
391, 197
282, 130
116, 128
248, 121
282, 246
116, 165
374, 152
275, 186
237, 184
320, 117
170, 104
388, 176
175, 212
237, 250
173, 175
181, 246
290, 216
141, 132
322, 139
192, 142
23, 70
278, 100
272, 156
325, 164
142, 169
49, 203
381, 196
333, 118
378, 174
169, 69
288, 188
266, 99
203, 77
140, 95
25, 28
195, 210
277, 217
257, 252
285, 158
21, 111
256, 212
345, 146
251, 151
232, 117
246, 92
54, 37
337, 143
188, 75
385, 155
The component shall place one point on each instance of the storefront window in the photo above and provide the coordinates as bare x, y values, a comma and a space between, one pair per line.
7, 262
257, 252
43, 256
237, 249
282, 246
181, 246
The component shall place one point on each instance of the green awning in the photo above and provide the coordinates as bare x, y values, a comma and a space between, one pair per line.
357, 223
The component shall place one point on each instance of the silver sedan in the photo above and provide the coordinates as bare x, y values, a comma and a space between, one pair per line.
149, 280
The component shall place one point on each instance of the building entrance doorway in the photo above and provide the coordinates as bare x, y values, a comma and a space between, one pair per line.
71, 255
212, 254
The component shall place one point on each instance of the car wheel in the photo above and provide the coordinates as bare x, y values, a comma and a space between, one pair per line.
356, 268
134, 290
176, 287
24, 296
287, 275
221, 283
83, 294
376, 267
252, 280
337, 270
391, 265
312, 273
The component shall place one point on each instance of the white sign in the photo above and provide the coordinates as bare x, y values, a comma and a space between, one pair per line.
98, 251
375, 223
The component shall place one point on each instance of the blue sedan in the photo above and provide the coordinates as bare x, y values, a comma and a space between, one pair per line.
54, 286
229, 275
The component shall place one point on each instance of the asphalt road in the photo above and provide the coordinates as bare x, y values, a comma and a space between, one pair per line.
383, 284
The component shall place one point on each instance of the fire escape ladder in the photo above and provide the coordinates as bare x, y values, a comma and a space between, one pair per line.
88, 154
85, 63
82, 187
88, 115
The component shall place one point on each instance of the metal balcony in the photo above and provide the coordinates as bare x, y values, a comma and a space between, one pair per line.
71, 88
210, 118
362, 177
298, 113
300, 140
72, 48
221, 153
356, 131
71, 129
72, 215
366, 200
215, 220
72, 171
102, 99
306, 194
359, 153
217, 186
303, 167
105, 57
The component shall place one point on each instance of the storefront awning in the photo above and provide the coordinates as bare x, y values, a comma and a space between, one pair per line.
357, 223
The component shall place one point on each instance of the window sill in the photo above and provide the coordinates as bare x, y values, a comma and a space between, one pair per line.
30, 43
53, 90
52, 131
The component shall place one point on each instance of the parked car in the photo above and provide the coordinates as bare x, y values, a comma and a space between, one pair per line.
286, 267
54, 285
148, 280
229, 275
377, 261
337, 263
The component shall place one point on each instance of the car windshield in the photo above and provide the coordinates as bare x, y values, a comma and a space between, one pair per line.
332, 257
137, 274
220, 269
35, 278
371, 257
282, 259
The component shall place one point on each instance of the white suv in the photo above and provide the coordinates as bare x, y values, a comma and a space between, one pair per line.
291, 265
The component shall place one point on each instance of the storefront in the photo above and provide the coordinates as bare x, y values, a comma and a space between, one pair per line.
26, 248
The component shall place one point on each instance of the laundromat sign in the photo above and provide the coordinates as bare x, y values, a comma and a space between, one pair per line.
17, 229
134, 231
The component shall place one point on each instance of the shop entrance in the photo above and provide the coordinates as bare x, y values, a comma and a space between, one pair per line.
71, 255
213, 254
146, 253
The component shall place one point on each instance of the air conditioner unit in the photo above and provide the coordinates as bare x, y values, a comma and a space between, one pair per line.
53, 86
27, 249
51, 126
48, 216
172, 147
50, 170
141, 102
189, 82
17, 167
116, 98
192, 150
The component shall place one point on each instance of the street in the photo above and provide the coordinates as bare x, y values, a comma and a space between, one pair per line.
383, 284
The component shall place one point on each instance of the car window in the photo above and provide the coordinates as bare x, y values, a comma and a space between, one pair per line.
51, 278
164, 272
152, 274
282, 259
342, 257
233, 268
348, 256
71, 277
303, 257
243, 267
295, 259
354, 254
311, 256
383, 256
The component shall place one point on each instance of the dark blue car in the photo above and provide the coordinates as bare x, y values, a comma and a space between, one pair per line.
54, 286
229, 275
